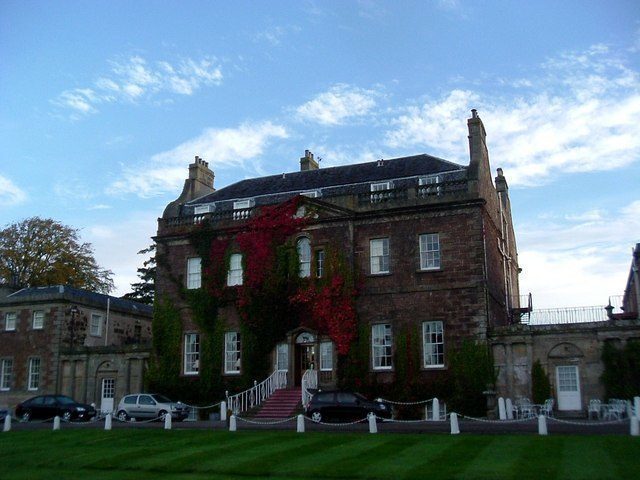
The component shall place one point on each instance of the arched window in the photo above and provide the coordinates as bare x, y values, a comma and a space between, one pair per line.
304, 254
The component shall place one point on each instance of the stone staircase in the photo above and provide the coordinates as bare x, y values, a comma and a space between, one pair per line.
282, 404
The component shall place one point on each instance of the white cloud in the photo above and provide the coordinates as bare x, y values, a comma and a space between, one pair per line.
339, 103
589, 249
10, 193
223, 148
580, 115
135, 78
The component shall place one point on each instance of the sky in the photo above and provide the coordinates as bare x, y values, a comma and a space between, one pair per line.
103, 104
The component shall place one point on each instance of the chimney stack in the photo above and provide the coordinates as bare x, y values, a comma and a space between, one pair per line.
308, 162
199, 184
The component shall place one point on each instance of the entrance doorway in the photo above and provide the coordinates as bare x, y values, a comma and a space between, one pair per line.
568, 388
108, 392
305, 360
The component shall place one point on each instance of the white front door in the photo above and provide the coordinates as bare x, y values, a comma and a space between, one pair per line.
568, 386
108, 392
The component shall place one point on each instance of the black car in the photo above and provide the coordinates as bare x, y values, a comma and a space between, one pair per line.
48, 406
344, 406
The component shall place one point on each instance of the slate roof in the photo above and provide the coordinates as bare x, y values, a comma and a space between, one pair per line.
87, 297
347, 176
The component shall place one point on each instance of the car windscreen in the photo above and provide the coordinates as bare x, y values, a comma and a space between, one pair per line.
161, 398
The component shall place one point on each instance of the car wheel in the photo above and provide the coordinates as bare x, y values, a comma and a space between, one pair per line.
122, 416
162, 415
316, 416
66, 416
26, 416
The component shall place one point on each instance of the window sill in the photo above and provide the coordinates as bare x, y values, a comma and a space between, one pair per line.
434, 367
382, 369
381, 274
232, 373
191, 374
429, 270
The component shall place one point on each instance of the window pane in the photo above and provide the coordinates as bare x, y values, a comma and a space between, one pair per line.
282, 357
433, 344
10, 321
38, 320
381, 346
319, 263
326, 356
95, 328
234, 277
379, 255
304, 255
34, 373
232, 352
194, 272
191, 353
6, 371
430, 251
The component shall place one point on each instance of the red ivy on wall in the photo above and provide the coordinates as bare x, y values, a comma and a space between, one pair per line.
331, 311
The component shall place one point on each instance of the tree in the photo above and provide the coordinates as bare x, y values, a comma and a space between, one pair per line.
38, 252
144, 290
540, 386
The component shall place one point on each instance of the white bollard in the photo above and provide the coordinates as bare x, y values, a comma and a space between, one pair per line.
509, 406
300, 425
435, 414
635, 430
56, 423
373, 426
542, 425
167, 421
107, 421
455, 429
7, 424
502, 414
232, 423
636, 406
223, 411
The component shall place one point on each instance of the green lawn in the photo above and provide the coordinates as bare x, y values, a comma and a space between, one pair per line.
195, 454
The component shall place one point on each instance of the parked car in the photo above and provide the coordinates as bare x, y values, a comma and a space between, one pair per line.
150, 405
338, 405
49, 406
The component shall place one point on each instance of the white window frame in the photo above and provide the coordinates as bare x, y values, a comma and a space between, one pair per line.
194, 273
319, 255
37, 322
202, 209
234, 275
326, 356
376, 187
191, 354
433, 344
34, 373
10, 321
381, 346
242, 204
303, 245
232, 353
95, 328
429, 251
379, 256
282, 357
6, 374
432, 183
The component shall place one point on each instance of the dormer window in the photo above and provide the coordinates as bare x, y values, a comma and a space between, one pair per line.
430, 185
201, 209
241, 209
380, 191
311, 193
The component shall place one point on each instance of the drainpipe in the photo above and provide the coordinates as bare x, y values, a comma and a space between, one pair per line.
106, 327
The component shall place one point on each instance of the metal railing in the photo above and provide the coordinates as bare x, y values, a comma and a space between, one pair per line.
254, 396
549, 316
309, 381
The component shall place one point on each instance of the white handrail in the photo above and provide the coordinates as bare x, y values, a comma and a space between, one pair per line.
254, 396
309, 380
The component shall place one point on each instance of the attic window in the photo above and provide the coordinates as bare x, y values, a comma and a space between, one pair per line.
241, 209
200, 209
311, 193
428, 186
381, 192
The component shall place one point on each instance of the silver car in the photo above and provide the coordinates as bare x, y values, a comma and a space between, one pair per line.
150, 405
